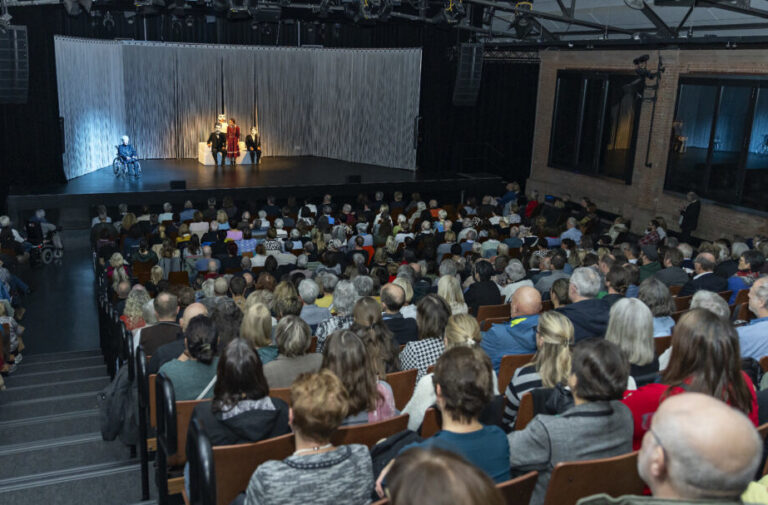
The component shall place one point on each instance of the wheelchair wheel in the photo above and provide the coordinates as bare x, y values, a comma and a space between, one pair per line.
137, 169
117, 167
46, 255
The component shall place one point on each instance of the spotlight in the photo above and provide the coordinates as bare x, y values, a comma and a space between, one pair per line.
129, 16
523, 22
109, 21
190, 21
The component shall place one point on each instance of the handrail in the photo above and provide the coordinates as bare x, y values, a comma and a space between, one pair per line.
142, 384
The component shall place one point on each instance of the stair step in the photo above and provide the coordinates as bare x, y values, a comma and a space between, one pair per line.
60, 454
59, 356
25, 368
17, 393
45, 406
49, 427
86, 485
38, 378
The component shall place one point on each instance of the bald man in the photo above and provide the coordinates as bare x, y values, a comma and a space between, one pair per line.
404, 329
517, 336
704, 276
685, 460
174, 349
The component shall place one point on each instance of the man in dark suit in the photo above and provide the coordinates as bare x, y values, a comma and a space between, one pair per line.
588, 313
166, 330
217, 141
689, 216
672, 274
704, 276
405, 329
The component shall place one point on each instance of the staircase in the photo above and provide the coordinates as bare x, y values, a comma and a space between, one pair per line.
50, 443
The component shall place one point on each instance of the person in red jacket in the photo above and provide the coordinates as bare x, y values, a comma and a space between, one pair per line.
705, 359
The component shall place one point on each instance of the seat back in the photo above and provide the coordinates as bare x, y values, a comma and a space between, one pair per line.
488, 311
369, 434
487, 323
518, 491
682, 302
402, 384
202, 478
547, 305
525, 412
726, 295
234, 464
313, 344
764, 364
615, 476
509, 364
674, 290
180, 278
281, 393
662, 344
742, 297
431, 423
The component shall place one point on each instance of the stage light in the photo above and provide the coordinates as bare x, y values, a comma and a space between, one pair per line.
190, 21
129, 16
523, 22
73, 7
109, 21
149, 7
238, 9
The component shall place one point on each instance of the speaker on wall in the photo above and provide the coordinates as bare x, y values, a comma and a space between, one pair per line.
469, 72
14, 65
178, 184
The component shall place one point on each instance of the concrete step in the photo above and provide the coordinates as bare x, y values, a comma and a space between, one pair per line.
25, 368
17, 393
49, 427
29, 357
54, 376
46, 406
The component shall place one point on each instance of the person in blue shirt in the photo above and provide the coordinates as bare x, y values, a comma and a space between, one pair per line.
518, 336
464, 386
753, 338
750, 264
128, 154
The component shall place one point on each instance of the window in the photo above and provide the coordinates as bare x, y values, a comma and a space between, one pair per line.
595, 123
719, 140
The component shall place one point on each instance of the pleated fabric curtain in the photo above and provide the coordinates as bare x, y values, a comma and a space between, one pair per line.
90, 81
350, 104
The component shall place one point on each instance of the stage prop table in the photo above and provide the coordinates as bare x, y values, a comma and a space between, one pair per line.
205, 157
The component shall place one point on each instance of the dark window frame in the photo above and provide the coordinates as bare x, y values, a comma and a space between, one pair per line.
598, 156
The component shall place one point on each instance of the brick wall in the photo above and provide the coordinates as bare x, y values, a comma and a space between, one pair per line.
645, 197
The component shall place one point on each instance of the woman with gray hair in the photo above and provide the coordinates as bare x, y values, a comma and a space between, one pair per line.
655, 295
344, 298
630, 327
293, 338
515, 279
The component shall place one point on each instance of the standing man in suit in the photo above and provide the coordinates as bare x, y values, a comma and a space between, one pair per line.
689, 216
704, 276
217, 141
253, 144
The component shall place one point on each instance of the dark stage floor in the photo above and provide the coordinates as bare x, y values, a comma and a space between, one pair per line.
279, 176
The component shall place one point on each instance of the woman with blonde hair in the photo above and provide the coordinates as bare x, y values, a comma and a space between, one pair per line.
551, 365
133, 313
222, 219
462, 330
117, 272
448, 289
256, 328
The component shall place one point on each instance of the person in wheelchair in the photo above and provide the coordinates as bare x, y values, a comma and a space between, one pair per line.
45, 238
129, 157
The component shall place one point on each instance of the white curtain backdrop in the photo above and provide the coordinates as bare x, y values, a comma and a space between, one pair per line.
350, 104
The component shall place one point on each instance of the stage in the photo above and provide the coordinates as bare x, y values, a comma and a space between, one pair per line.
307, 176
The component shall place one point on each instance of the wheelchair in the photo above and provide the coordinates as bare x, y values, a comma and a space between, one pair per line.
46, 247
121, 167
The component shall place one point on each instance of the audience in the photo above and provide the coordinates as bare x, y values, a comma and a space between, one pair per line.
432, 316
256, 328
704, 276
752, 337
293, 339
518, 336
588, 314
630, 327
483, 291
194, 372
167, 329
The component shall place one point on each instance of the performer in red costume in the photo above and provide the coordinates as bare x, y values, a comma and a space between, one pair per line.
233, 142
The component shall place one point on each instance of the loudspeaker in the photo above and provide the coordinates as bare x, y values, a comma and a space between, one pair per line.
469, 72
14, 65
178, 184
354, 179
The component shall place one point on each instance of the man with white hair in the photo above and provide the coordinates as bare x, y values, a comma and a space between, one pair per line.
686, 461
753, 338
128, 154
588, 314
311, 313
572, 232
704, 278
362, 231
167, 214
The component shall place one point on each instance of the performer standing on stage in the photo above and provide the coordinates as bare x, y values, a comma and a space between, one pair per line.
218, 144
233, 141
253, 143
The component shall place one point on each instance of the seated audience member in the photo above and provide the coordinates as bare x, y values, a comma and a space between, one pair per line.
597, 426
256, 328
649, 261
588, 314
684, 460
370, 400
408, 310
463, 387
317, 472
168, 352
449, 289
558, 295
287, 300
344, 299
556, 265
311, 313
228, 318
549, 367
704, 276
166, 330
241, 410
461, 330
515, 274
617, 282
753, 338
705, 359
630, 327
434, 475
293, 339
672, 274
483, 291
750, 264
377, 337
404, 329
432, 316
193, 372
133, 315
655, 295
517, 336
